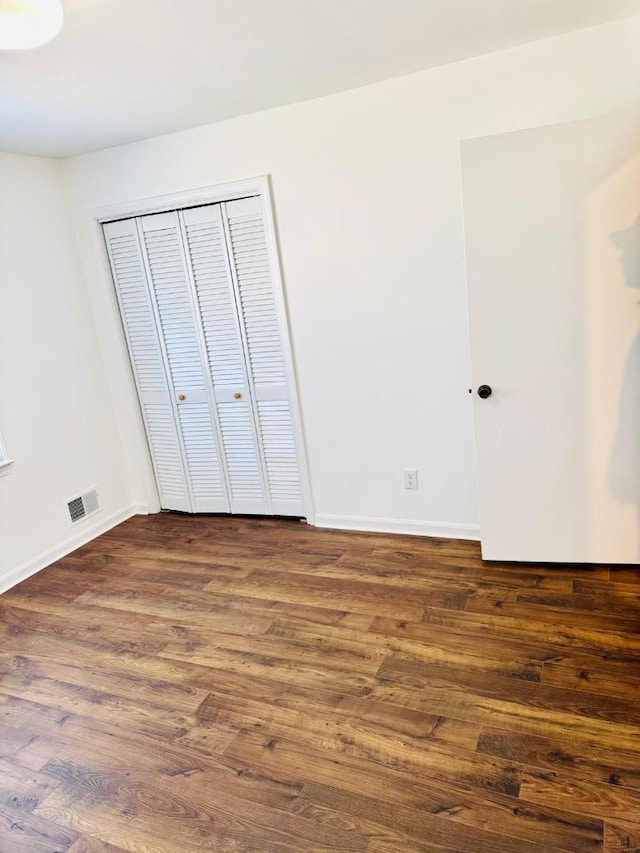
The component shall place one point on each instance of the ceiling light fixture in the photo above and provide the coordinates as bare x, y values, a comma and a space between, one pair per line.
29, 23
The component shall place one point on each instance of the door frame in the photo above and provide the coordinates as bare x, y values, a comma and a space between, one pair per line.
258, 186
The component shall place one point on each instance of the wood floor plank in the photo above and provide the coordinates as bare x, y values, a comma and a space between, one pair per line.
14, 711
624, 605
437, 650
465, 558
186, 753
619, 647
621, 837
92, 845
21, 832
592, 680
205, 820
12, 739
439, 754
514, 703
407, 845
582, 760
161, 568
43, 620
464, 805
421, 574
214, 607
243, 685
153, 719
318, 801
180, 697
531, 649
37, 752
562, 790
359, 596
539, 610
291, 707
21, 787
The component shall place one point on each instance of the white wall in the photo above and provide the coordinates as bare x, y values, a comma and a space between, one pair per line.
55, 412
367, 192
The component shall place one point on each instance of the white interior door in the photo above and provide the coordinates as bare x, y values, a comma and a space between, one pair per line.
553, 259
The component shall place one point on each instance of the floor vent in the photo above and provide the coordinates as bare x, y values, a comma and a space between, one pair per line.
83, 506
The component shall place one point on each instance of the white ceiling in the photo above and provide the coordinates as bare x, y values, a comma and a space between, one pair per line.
129, 69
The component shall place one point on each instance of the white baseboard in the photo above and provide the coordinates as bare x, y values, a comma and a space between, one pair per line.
84, 535
440, 529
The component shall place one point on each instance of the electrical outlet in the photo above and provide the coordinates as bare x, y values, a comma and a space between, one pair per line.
410, 478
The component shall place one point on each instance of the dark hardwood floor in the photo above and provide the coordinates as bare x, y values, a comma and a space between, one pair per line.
188, 684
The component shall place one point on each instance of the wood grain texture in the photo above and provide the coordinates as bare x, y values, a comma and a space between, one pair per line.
186, 684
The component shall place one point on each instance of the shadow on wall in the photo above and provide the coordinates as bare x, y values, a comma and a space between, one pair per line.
628, 242
624, 467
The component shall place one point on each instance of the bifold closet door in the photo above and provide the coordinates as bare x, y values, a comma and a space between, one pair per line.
265, 354
152, 281
205, 239
196, 295
244, 340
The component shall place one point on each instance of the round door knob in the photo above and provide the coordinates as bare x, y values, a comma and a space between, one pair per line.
237, 395
485, 391
182, 396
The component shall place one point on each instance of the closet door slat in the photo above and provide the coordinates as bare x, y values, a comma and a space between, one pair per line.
145, 352
265, 357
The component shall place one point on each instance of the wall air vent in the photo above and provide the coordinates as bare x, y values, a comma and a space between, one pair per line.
83, 506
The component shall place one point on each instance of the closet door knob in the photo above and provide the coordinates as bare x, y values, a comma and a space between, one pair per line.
237, 395
182, 396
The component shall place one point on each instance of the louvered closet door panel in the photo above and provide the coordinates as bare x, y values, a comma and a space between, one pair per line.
280, 456
208, 257
209, 262
243, 462
188, 373
145, 352
265, 357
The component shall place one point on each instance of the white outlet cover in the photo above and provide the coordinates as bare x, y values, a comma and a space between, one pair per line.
410, 478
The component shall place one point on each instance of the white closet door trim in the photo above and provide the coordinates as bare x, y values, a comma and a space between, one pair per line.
256, 186
190, 198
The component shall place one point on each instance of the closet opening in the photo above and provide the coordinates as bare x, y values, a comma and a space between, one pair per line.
204, 320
